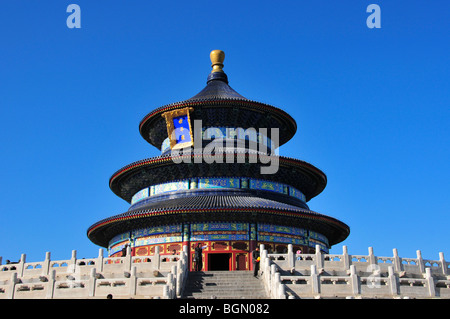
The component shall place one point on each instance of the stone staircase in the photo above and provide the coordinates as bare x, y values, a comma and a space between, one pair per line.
223, 285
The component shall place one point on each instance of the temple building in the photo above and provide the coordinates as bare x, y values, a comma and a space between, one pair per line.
219, 182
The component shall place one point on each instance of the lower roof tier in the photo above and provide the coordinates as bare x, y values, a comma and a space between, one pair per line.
218, 208
131, 179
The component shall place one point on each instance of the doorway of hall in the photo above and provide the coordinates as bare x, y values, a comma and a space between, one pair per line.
219, 261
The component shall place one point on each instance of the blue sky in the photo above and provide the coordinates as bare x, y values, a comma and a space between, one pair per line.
372, 108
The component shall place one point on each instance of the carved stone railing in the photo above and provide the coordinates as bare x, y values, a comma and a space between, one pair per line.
284, 275
157, 276
270, 275
354, 276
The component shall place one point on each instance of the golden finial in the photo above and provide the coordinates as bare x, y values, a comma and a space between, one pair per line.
217, 57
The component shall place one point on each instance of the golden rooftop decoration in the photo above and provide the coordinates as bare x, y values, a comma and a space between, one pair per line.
217, 57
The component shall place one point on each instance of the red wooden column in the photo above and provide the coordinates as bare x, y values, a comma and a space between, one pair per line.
253, 235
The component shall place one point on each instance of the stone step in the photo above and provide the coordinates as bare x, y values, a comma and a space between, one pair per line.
223, 278
224, 287
227, 287
231, 274
216, 279
225, 296
238, 293
223, 284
